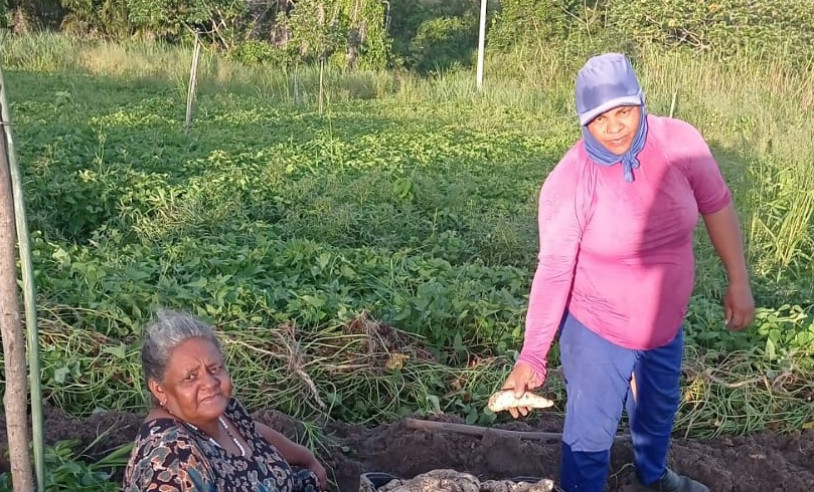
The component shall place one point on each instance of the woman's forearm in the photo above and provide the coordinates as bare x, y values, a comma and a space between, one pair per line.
292, 452
724, 231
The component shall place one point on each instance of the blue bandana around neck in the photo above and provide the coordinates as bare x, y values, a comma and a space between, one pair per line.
630, 161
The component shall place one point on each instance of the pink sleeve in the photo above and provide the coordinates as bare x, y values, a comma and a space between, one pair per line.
708, 185
560, 232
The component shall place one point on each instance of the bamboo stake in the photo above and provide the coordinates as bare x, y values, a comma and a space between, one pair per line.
322, 49
673, 103
473, 430
193, 82
15, 398
321, 82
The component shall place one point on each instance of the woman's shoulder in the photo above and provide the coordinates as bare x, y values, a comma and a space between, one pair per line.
238, 414
573, 159
164, 436
235, 407
167, 451
672, 131
161, 427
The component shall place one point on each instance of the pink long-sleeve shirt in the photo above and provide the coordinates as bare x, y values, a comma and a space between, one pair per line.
617, 255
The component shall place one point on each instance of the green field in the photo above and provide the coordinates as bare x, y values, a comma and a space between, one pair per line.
408, 202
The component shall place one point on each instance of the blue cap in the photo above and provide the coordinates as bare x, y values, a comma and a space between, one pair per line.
606, 82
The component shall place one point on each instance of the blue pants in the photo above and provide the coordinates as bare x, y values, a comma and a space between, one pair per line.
597, 376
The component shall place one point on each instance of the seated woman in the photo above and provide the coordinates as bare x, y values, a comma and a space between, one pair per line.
197, 438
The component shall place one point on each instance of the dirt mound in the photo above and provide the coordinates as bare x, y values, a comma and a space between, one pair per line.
761, 462
96, 435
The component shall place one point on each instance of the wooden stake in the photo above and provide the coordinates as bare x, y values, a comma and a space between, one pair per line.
193, 82
16, 398
481, 43
321, 82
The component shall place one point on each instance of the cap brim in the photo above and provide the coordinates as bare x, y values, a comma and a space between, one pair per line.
586, 118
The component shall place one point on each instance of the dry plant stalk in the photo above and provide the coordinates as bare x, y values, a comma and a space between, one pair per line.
296, 359
292, 356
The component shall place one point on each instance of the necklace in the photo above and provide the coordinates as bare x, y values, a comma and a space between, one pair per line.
228, 432
234, 439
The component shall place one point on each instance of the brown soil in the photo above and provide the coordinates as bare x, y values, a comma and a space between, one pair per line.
764, 462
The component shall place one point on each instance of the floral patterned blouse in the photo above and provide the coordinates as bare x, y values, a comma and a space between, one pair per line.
171, 456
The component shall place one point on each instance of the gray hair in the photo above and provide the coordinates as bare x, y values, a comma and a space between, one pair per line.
170, 329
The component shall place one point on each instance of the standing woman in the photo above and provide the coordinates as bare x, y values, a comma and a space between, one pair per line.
615, 275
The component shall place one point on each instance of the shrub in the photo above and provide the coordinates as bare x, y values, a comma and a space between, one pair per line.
255, 52
724, 26
443, 42
405, 17
531, 21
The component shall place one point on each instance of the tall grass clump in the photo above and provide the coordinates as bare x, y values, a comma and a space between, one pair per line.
45, 52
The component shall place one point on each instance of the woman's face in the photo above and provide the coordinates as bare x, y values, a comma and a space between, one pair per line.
196, 386
616, 128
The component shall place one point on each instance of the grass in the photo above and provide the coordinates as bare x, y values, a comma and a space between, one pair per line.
374, 260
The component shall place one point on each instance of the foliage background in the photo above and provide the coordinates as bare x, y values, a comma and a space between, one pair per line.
428, 35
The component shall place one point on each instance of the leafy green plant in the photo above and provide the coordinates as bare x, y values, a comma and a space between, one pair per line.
788, 331
66, 471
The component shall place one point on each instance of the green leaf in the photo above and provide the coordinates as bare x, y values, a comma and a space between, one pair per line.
61, 374
198, 284
771, 352
119, 351
435, 403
